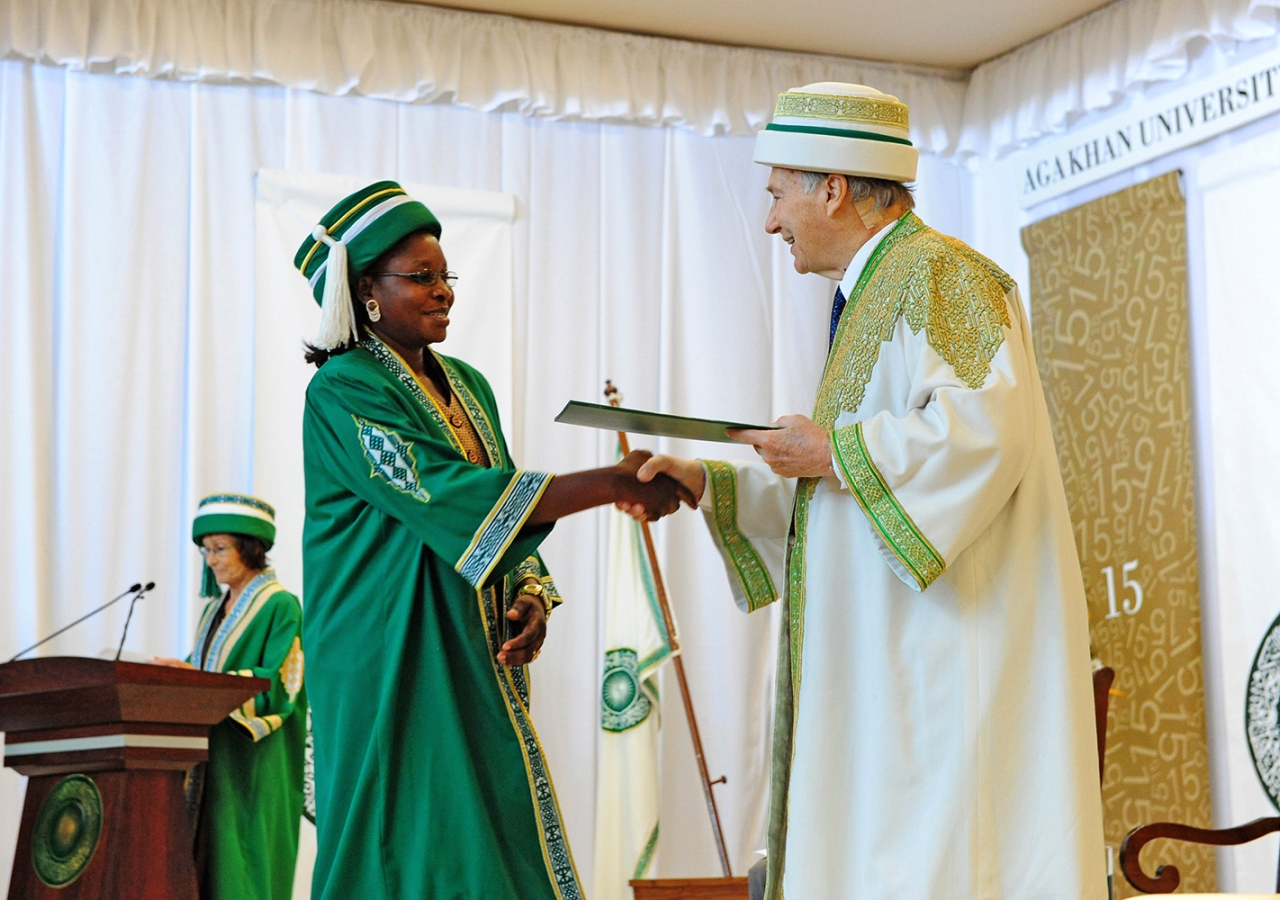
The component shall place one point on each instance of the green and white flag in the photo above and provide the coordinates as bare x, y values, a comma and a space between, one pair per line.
636, 644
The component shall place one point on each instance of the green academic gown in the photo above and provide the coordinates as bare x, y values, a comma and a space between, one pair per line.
430, 780
253, 781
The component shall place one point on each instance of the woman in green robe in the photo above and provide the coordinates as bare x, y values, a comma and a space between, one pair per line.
249, 794
425, 592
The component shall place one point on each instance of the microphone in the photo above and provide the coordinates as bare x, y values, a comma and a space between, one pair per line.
133, 589
136, 597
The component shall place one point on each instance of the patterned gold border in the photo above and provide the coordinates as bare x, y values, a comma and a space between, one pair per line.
500, 527
884, 512
556, 855
867, 110
752, 572
805, 488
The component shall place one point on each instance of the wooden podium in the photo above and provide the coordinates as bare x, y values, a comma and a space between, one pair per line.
107, 745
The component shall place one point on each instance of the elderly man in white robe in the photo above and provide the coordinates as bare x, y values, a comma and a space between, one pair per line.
934, 734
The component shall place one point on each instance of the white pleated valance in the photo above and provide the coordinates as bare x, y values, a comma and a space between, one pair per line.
1092, 64
422, 54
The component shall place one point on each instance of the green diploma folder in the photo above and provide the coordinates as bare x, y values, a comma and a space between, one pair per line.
638, 421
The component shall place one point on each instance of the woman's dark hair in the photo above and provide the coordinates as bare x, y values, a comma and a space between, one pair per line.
318, 357
252, 550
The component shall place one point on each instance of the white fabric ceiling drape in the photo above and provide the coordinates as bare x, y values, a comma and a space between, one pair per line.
422, 54
1096, 62
127, 384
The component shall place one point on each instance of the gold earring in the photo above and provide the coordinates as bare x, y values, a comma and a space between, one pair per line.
374, 313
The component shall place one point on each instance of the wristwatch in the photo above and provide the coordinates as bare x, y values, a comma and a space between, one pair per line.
535, 589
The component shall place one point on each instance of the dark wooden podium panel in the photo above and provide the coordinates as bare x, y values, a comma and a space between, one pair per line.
144, 831
107, 745
690, 889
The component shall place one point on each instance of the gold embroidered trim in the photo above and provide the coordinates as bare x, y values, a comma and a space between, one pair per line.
939, 284
457, 420
291, 670
556, 854
475, 435
867, 110
887, 516
805, 488
484, 429
936, 283
753, 575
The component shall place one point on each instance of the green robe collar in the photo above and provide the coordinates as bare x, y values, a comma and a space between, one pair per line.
251, 599
479, 416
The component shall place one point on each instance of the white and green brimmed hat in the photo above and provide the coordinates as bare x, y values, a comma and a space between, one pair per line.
360, 228
849, 129
232, 514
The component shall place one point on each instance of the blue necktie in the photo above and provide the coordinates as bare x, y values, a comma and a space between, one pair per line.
837, 307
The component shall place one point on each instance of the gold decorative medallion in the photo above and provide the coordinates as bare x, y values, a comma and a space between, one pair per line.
67, 830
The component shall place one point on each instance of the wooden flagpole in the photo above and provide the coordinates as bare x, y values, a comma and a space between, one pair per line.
611, 393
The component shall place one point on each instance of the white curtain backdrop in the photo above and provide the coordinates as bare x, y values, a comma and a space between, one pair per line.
421, 54
414, 53
128, 382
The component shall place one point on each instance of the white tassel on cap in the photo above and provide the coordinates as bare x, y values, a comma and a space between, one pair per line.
337, 318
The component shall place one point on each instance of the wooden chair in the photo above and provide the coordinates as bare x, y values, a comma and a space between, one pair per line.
1167, 877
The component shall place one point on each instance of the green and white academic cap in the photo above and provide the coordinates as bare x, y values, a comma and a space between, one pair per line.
850, 129
360, 228
232, 514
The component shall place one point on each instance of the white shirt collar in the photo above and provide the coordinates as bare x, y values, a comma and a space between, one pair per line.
854, 272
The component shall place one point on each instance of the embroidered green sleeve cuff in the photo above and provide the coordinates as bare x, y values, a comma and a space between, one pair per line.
753, 575
501, 526
254, 726
530, 567
882, 509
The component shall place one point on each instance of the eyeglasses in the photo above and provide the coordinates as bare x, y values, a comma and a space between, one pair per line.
207, 552
426, 277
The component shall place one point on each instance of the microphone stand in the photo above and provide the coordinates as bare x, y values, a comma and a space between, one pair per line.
135, 589
136, 597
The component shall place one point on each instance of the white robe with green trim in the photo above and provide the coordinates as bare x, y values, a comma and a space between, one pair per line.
935, 735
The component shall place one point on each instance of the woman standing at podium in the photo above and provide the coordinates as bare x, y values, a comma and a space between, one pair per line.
250, 792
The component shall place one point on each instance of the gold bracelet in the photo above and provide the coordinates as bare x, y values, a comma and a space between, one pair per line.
535, 589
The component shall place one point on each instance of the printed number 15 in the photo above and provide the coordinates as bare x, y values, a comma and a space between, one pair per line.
1130, 608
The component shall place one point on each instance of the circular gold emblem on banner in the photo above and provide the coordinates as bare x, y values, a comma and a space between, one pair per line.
67, 830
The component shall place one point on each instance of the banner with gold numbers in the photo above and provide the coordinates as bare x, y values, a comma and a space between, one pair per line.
1109, 317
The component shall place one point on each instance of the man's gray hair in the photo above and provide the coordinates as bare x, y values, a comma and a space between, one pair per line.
885, 192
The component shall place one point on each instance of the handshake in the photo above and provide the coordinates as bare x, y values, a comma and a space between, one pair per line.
653, 486
650, 487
